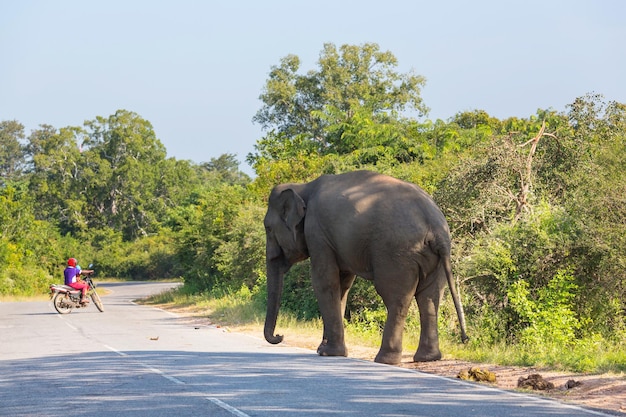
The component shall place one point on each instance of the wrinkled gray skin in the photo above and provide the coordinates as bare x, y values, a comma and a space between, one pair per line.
366, 224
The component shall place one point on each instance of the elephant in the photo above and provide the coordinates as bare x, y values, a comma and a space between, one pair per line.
364, 224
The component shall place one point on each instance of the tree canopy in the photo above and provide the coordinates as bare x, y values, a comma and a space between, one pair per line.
324, 110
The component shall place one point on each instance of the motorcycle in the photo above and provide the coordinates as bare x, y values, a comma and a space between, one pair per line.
66, 298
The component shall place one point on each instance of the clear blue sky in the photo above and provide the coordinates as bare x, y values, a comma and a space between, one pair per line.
195, 69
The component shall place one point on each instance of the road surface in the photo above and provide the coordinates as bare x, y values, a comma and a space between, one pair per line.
135, 360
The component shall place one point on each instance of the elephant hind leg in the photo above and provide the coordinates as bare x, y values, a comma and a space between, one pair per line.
346, 281
397, 294
391, 346
428, 297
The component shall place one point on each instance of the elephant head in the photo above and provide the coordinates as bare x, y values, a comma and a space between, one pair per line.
285, 245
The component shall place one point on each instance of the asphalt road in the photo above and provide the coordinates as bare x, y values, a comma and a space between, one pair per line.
135, 360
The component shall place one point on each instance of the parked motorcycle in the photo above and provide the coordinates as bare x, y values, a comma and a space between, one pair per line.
66, 298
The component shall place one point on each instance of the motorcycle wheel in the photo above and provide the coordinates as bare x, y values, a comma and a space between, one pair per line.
61, 304
96, 300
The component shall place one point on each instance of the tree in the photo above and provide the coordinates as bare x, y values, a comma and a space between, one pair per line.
545, 195
12, 155
110, 174
226, 168
313, 112
202, 226
597, 197
122, 160
56, 175
29, 249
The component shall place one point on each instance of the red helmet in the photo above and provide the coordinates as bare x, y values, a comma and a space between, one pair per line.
71, 262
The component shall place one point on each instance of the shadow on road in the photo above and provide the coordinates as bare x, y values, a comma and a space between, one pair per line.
178, 383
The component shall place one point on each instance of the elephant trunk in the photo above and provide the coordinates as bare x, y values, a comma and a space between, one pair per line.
275, 279
455, 297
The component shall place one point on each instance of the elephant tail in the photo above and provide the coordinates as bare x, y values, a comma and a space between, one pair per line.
447, 266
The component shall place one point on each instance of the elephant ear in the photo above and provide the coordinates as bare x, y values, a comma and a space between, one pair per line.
293, 208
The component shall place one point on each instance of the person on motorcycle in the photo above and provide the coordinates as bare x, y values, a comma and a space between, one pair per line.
72, 278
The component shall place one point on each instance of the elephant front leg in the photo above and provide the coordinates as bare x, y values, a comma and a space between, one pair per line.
328, 290
333, 342
346, 281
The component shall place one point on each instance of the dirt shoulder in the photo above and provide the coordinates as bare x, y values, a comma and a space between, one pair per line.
604, 392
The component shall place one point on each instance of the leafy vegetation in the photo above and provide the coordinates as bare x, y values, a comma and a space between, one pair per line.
536, 206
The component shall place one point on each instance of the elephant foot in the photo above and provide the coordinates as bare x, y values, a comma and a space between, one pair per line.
423, 356
326, 349
389, 358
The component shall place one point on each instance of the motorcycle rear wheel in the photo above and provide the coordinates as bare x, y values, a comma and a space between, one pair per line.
96, 300
62, 304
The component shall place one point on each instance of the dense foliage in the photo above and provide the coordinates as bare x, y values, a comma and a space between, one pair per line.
536, 205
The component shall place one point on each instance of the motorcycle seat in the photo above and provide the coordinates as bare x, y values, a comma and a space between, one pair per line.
65, 287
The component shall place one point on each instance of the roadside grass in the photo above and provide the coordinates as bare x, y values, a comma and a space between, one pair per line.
606, 357
243, 311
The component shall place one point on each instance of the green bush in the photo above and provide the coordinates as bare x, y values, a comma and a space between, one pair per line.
25, 281
298, 295
549, 318
518, 259
362, 296
368, 322
240, 256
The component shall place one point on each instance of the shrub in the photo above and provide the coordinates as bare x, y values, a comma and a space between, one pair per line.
549, 317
